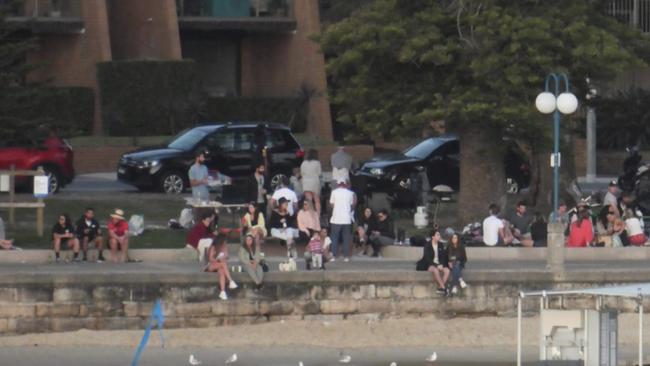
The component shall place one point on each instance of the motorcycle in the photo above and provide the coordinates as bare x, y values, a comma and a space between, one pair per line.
636, 179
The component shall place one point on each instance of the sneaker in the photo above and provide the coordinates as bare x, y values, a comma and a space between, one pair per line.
101, 259
346, 259
76, 259
57, 260
85, 258
232, 285
223, 296
441, 290
333, 260
454, 290
462, 283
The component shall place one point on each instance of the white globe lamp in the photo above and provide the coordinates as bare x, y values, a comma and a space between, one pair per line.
545, 102
567, 103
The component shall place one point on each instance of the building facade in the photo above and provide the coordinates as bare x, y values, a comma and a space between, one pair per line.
248, 48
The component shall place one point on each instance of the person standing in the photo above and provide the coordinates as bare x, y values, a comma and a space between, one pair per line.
341, 165
118, 235
611, 197
342, 201
63, 233
198, 175
257, 187
311, 170
88, 231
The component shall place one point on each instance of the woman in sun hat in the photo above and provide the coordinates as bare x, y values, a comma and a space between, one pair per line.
118, 235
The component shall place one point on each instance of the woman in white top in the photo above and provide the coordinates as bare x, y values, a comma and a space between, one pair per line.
633, 228
311, 170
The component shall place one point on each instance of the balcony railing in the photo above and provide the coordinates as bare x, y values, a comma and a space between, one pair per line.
42, 8
636, 13
234, 8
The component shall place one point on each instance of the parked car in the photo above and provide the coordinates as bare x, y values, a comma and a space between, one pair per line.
229, 149
440, 157
52, 154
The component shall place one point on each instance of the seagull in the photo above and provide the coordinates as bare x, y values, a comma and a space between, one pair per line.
194, 361
301, 364
344, 358
393, 363
432, 358
232, 359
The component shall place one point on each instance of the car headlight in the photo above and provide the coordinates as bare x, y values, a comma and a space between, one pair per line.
377, 171
149, 164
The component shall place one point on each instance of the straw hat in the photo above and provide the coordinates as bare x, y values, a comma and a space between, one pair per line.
118, 214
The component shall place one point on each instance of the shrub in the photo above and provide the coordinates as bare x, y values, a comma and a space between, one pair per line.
623, 119
70, 110
150, 97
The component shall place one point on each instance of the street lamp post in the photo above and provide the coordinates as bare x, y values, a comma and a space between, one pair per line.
556, 103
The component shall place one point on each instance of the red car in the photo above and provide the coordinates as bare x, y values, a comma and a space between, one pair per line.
53, 154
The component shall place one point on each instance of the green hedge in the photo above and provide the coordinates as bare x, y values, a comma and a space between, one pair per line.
150, 97
70, 110
288, 111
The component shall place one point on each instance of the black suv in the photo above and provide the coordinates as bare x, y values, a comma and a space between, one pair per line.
440, 157
229, 149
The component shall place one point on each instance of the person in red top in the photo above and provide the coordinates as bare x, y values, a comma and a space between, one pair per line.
200, 237
581, 233
118, 235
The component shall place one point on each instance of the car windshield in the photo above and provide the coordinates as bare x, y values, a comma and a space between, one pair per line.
423, 149
187, 140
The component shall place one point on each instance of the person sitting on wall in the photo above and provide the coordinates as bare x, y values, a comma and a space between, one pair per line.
217, 262
89, 232
435, 260
118, 236
251, 260
63, 233
254, 224
201, 236
382, 233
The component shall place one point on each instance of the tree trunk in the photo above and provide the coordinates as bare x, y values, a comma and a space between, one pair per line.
482, 175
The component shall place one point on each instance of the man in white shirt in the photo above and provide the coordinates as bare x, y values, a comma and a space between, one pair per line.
288, 194
342, 201
611, 197
493, 228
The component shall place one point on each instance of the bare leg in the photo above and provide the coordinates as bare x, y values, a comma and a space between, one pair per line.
57, 245
445, 276
436, 276
124, 243
222, 279
113, 245
84, 246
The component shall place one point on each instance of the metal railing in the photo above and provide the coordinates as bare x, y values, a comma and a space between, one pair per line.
234, 8
42, 8
636, 13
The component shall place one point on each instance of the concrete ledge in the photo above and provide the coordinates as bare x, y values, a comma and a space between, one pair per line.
528, 254
40, 256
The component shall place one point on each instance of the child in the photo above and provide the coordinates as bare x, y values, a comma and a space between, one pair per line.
315, 248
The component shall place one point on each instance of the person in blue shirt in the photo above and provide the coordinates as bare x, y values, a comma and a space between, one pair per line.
199, 178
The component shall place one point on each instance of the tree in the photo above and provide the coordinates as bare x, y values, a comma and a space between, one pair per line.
396, 65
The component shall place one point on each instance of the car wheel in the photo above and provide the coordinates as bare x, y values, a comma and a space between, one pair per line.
276, 179
172, 183
53, 178
512, 186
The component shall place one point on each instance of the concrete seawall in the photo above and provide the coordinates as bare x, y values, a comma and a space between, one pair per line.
50, 299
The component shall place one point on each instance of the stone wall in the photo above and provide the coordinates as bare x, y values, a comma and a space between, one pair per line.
45, 303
